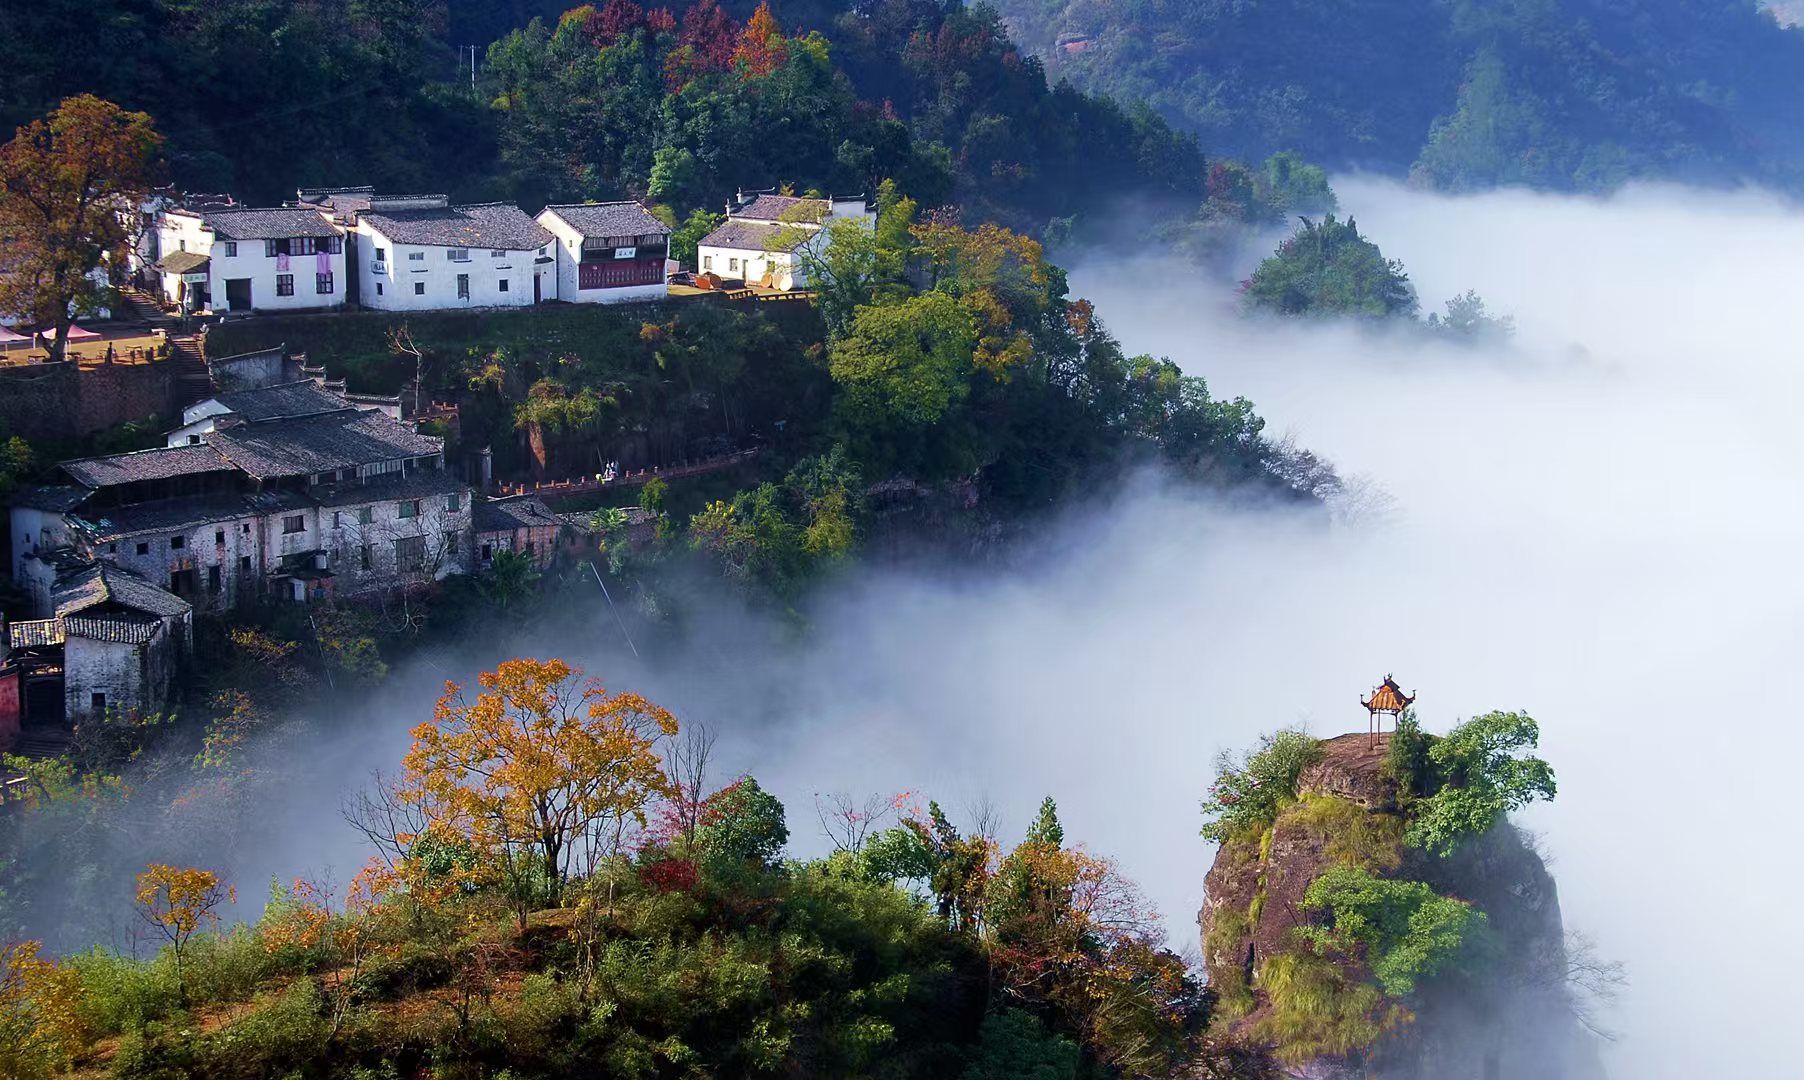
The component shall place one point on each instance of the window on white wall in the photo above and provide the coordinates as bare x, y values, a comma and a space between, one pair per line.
322, 283
231, 249
463, 286
284, 284
419, 288
502, 285
458, 254
497, 253
416, 256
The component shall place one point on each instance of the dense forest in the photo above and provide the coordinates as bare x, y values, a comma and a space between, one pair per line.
680, 105
1579, 94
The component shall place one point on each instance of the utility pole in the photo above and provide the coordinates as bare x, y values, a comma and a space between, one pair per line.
460, 63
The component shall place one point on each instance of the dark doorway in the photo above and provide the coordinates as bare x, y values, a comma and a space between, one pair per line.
535, 288
238, 294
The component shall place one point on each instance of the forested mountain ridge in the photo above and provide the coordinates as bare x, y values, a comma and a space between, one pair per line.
1563, 94
605, 101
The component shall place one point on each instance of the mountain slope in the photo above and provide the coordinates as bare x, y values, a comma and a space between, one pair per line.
1554, 93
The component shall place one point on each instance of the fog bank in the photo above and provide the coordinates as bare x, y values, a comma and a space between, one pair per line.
1595, 525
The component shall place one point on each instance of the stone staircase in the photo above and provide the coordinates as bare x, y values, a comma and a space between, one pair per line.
138, 306
192, 381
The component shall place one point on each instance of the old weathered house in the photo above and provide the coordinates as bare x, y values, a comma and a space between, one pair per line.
291, 490
113, 642
522, 523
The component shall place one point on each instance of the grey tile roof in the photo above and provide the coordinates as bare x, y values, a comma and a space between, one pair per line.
784, 208
272, 223
160, 463
319, 443
106, 584
496, 226
126, 629
55, 498
35, 633
519, 512
341, 200
417, 485
304, 398
754, 236
175, 515
609, 219
182, 262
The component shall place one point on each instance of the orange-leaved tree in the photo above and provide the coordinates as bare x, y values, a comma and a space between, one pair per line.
545, 770
177, 902
1066, 929
70, 187
41, 1027
762, 49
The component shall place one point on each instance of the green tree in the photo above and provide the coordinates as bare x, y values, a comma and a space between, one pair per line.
1328, 268
1405, 931
685, 238
1468, 321
1015, 1045
906, 363
743, 829
1485, 775
1249, 792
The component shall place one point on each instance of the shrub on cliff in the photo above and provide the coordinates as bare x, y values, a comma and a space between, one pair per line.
1404, 930
1483, 776
1250, 794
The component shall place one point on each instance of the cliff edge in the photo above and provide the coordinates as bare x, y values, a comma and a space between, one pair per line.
1341, 942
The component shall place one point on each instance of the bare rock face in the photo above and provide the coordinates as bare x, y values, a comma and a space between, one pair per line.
1509, 1018
1352, 768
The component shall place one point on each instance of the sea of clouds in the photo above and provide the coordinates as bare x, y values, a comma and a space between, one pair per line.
1598, 523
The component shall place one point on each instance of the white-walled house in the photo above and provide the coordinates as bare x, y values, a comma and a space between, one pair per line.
233, 258
760, 240
608, 252
419, 253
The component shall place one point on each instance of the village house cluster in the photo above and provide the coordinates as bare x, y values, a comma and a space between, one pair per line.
282, 486
291, 490
350, 247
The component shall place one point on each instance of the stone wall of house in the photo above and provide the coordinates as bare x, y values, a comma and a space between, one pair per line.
131, 676
216, 552
252, 370
94, 667
366, 555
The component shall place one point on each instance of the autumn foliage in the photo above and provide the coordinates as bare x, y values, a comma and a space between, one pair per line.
544, 769
762, 49
40, 1021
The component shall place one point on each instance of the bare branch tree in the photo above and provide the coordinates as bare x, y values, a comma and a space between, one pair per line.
686, 763
847, 823
401, 343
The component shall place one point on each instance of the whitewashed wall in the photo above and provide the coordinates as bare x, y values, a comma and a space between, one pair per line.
438, 272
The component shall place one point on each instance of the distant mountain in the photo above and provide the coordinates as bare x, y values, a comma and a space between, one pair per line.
1575, 94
